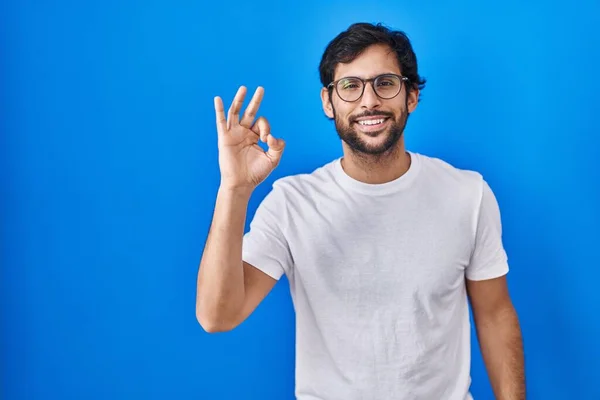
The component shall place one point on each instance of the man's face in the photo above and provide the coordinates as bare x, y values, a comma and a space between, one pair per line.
359, 124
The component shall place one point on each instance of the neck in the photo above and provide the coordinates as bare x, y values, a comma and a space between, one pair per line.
376, 168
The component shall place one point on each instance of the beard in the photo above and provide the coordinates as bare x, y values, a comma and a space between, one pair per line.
352, 137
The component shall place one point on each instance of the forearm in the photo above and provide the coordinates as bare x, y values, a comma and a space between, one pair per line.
502, 350
220, 291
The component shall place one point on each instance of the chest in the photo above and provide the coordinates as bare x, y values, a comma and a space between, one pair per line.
378, 251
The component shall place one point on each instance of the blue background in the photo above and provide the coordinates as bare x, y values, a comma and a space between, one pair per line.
109, 176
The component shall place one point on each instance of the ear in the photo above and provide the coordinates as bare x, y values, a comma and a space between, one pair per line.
327, 106
413, 100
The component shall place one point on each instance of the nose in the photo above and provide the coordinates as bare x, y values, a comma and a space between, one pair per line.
369, 99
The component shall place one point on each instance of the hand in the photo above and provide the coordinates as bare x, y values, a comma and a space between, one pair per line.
243, 163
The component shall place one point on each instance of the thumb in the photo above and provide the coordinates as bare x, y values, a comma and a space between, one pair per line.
275, 148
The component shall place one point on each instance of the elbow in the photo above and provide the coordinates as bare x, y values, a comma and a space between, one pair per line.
212, 325
213, 322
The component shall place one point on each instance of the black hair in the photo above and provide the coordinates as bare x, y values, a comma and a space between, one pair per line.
349, 44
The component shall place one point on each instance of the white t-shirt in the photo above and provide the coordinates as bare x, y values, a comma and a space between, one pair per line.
377, 276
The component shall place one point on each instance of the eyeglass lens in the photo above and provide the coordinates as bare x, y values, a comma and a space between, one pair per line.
386, 87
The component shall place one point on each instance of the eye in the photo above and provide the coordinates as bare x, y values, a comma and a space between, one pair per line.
386, 82
349, 84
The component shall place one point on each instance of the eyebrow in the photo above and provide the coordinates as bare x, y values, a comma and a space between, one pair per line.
371, 77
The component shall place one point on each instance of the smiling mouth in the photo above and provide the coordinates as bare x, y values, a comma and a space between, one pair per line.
371, 125
370, 122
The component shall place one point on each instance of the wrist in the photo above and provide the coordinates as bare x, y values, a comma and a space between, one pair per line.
243, 191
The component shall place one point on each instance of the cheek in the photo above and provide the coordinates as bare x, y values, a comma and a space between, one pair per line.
343, 111
400, 107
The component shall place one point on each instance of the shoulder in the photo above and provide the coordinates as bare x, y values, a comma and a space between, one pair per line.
307, 184
437, 168
465, 188
442, 174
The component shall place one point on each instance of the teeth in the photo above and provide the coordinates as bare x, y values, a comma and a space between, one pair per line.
371, 121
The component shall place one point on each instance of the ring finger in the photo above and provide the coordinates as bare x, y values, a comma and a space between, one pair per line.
252, 108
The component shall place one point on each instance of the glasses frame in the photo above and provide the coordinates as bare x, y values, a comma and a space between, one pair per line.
334, 84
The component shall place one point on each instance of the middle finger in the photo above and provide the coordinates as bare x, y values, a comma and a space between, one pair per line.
233, 115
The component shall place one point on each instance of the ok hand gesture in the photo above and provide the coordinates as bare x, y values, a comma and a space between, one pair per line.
242, 162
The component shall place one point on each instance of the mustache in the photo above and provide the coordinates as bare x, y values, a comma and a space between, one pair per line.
385, 114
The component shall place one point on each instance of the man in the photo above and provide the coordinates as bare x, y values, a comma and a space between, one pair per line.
383, 247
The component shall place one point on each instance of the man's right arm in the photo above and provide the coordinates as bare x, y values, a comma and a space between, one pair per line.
228, 289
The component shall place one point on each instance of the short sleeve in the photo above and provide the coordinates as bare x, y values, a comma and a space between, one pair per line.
264, 246
489, 259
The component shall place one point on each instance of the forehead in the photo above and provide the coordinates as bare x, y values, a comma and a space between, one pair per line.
375, 60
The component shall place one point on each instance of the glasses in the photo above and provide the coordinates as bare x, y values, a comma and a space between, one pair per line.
386, 86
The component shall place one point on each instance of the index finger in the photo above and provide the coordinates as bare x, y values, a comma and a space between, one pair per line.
220, 113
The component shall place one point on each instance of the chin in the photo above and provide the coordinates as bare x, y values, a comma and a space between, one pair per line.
371, 143
376, 134
371, 140
380, 144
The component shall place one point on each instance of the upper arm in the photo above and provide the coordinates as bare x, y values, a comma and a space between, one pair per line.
486, 273
488, 259
257, 285
488, 297
266, 254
